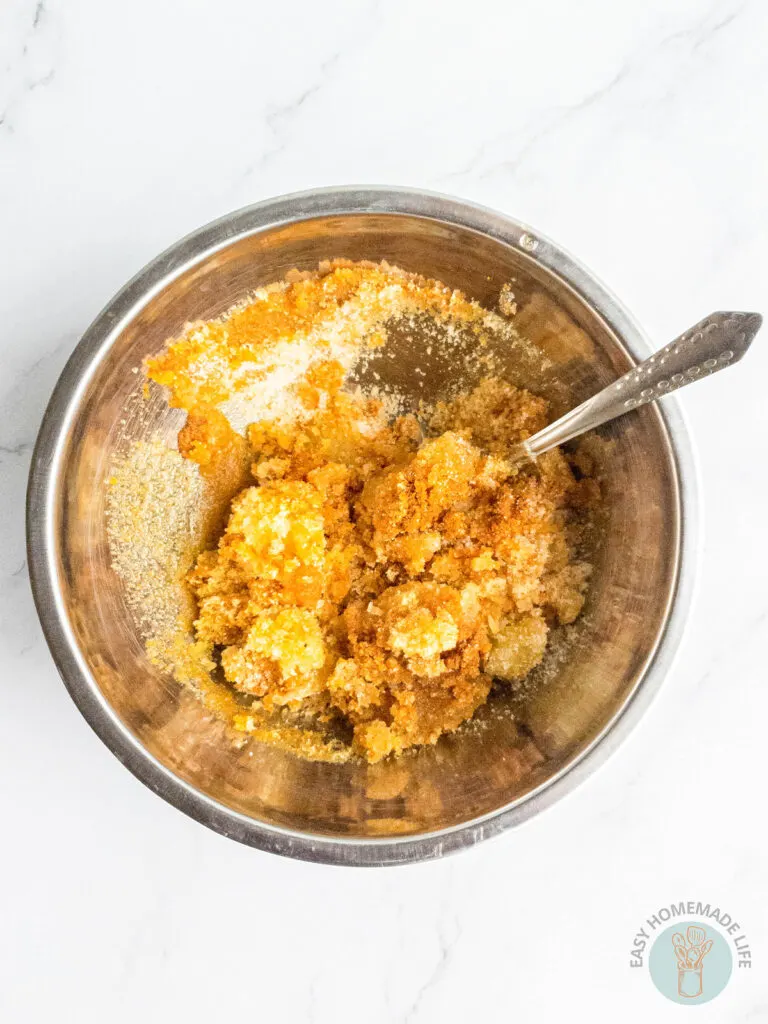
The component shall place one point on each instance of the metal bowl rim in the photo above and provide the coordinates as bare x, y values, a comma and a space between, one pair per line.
41, 542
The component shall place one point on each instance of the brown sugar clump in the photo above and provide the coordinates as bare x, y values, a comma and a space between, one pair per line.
388, 582
375, 574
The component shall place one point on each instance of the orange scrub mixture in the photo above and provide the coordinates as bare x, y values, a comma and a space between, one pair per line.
374, 572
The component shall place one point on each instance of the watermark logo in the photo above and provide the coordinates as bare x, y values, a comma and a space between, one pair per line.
677, 963
691, 960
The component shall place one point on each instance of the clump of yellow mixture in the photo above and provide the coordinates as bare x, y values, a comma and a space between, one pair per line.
376, 573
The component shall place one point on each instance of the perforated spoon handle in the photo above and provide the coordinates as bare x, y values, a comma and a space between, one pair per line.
720, 340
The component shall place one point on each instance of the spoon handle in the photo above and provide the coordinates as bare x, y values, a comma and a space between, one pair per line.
719, 340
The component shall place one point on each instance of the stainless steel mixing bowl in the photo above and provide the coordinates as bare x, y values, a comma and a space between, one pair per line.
480, 780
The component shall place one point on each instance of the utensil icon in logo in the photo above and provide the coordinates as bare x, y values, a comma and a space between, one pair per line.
690, 954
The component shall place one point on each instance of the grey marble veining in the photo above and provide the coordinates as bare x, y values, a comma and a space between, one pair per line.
632, 133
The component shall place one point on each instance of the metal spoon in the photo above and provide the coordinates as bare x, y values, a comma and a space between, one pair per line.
720, 340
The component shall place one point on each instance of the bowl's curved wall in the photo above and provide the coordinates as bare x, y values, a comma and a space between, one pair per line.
260, 794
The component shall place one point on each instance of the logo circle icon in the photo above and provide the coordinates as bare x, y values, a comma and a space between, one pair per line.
690, 962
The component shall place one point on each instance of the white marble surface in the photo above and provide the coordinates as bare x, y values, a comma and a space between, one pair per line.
634, 133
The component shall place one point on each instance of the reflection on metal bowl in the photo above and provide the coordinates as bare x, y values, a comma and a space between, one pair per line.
484, 778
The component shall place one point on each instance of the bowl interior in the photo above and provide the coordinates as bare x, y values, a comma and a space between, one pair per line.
502, 757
